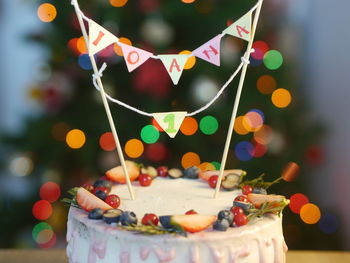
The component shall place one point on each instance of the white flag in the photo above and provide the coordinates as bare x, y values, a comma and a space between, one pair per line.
170, 121
174, 64
99, 38
241, 28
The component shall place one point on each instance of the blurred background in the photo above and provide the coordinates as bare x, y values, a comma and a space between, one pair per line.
294, 107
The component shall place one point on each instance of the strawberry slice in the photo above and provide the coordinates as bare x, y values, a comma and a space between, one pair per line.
258, 199
116, 174
190, 223
205, 175
89, 201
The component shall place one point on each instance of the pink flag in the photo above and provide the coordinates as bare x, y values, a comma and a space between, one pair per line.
134, 57
210, 51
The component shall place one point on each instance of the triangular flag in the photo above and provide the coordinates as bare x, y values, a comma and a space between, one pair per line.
174, 64
99, 38
170, 121
241, 28
210, 51
134, 57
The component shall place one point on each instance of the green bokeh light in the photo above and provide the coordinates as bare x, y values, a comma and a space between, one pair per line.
149, 134
217, 165
38, 228
273, 59
208, 125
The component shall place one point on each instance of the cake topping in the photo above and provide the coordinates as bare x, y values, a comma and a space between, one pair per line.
150, 219
116, 174
112, 216
113, 200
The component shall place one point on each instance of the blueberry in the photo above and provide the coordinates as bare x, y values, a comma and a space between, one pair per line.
100, 194
103, 183
128, 218
112, 216
245, 206
192, 172
226, 214
95, 213
221, 225
165, 221
259, 191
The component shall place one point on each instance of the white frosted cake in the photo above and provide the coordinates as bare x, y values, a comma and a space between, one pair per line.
260, 240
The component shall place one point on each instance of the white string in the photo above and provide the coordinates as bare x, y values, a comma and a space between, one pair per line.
206, 106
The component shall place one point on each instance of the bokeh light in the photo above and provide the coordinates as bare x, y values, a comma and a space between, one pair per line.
328, 223
49, 244
253, 121
206, 166
266, 84
156, 152
260, 48
42, 210
44, 236
50, 191
73, 45
281, 98
188, 1
149, 134
259, 150
190, 159
191, 61
208, 125
244, 151
310, 213
81, 46
107, 142
75, 139
273, 60
84, 62
47, 12
118, 3
39, 228
134, 148
189, 126
290, 171
59, 131
297, 201
21, 166
264, 135
239, 127
118, 49
217, 165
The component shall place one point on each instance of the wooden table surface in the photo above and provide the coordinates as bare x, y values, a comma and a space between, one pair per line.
59, 256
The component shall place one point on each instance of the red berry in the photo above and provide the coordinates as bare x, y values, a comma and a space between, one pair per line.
213, 180
113, 201
241, 220
242, 198
236, 210
149, 219
88, 187
101, 188
191, 212
162, 171
145, 180
247, 189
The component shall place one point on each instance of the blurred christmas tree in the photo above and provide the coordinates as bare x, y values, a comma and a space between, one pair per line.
69, 142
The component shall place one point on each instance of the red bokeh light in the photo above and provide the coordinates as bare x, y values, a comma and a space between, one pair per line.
42, 210
156, 152
49, 244
50, 191
107, 142
297, 201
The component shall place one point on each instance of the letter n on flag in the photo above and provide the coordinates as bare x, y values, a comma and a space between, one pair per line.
134, 57
241, 28
99, 38
210, 51
174, 64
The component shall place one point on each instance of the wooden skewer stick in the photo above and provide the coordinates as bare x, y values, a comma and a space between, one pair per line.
237, 99
105, 103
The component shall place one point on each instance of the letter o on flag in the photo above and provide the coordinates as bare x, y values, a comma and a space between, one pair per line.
133, 57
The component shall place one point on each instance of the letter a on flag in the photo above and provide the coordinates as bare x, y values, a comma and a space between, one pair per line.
210, 51
134, 57
174, 64
99, 38
241, 28
170, 121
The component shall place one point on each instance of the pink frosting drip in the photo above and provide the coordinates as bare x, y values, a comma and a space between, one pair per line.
194, 254
144, 252
96, 249
218, 254
164, 255
124, 257
280, 256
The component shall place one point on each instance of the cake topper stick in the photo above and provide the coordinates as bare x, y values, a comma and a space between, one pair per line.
105, 103
237, 99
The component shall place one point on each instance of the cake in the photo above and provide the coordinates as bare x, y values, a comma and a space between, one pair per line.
259, 240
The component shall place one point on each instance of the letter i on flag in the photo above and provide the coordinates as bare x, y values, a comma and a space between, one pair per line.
99, 38
134, 57
174, 64
241, 28
210, 51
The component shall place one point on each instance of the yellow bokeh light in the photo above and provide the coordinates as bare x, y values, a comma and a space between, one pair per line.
191, 61
239, 127
117, 49
207, 167
81, 45
134, 148
266, 84
75, 139
118, 3
190, 159
281, 98
310, 213
47, 12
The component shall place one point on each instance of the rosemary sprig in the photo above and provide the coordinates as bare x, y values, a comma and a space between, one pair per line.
259, 182
275, 207
71, 201
154, 230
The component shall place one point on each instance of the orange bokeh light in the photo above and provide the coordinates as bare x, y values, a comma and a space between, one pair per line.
118, 49
281, 98
107, 142
81, 45
134, 148
191, 61
239, 126
75, 139
190, 159
189, 126
47, 12
310, 213
118, 3
207, 166
266, 84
